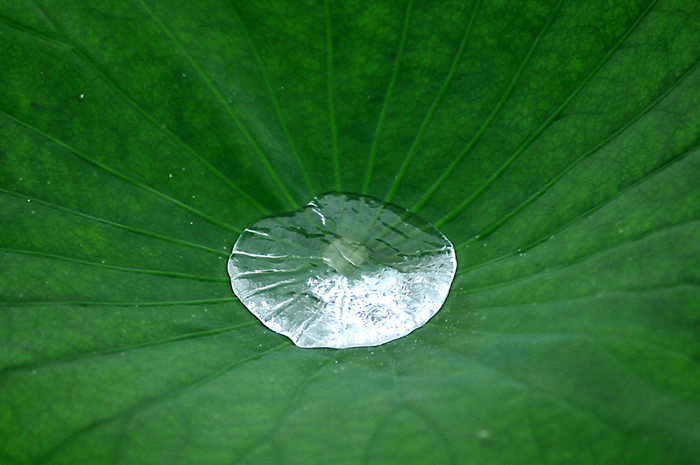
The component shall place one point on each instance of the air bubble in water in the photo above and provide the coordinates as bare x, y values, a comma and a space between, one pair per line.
344, 271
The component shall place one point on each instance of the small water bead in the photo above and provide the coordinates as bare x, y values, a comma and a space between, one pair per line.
344, 271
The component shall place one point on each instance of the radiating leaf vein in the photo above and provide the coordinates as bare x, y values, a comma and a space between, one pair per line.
155, 124
536, 134
501, 103
167, 274
117, 350
140, 232
123, 177
552, 270
387, 98
497, 224
671, 163
275, 103
151, 403
434, 106
227, 108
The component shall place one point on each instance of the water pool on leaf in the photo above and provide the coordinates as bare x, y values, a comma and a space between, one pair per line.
344, 271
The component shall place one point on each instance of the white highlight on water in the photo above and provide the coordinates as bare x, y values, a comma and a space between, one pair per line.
344, 271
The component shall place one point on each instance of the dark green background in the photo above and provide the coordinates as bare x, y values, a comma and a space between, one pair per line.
557, 145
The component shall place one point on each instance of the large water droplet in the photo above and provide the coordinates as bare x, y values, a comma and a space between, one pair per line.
344, 271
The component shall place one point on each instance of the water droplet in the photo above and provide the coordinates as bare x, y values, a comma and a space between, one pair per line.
344, 271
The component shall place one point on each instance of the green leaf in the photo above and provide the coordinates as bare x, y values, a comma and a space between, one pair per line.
556, 143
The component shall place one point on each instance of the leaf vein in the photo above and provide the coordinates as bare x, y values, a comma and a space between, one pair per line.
434, 106
592, 255
492, 116
535, 135
585, 214
387, 98
275, 103
123, 177
330, 96
227, 108
167, 274
152, 402
288, 410
131, 229
490, 229
158, 126
91, 303
116, 350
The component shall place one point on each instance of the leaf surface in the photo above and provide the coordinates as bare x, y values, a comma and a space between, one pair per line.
555, 143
